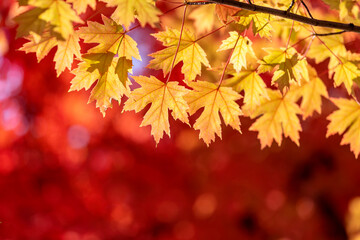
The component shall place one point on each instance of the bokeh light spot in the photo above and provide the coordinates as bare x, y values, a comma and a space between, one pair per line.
78, 136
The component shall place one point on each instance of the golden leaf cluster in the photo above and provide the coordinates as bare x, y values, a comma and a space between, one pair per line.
258, 46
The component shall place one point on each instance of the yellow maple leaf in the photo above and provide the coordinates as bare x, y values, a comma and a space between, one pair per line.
242, 48
110, 37
59, 14
83, 78
291, 69
204, 18
346, 73
162, 97
126, 11
41, 47
329, 47
346, 118
253, 86
64, 56
80, 6
278, 116
103, 67
30, 22
261, 22
190, 53
214, 100
310, 92
348, 10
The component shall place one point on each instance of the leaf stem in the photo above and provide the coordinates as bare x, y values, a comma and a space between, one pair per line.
204, 36
228, 61
178, 46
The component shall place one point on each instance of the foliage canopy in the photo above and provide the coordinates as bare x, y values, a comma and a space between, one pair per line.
269, 73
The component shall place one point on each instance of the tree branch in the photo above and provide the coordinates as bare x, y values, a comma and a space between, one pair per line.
348, 27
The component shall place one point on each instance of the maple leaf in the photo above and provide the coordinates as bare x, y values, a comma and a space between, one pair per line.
241, 46
346, 73
328, 47
310, 92
348, 8
80, 6
110, 37
190, 53
346, 119
41, 47
290, 67
162, 97
278, 115
103, 67
261, 22
204, 18
214, 100
66, 50
126, 11
59, 14
30, 22
253, 86
64, 55
223, 12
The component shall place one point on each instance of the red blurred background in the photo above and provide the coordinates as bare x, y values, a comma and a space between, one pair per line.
68, 173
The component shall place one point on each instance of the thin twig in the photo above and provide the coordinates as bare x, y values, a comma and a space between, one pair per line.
178, 45
328, 34
307, 9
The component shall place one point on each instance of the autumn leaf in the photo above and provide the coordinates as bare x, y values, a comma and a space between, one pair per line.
328, 47
253, 86
30, 22
223, 12
290, 67
277, 116
348, 8
214, 100
346, 120
80, 6
190, 53
41, 47
162, 97
241, 46
59, 14
261, 22
83, 78
104, 68
126, 11
65, 53
204, 18
310, 92
346, 73
110, 37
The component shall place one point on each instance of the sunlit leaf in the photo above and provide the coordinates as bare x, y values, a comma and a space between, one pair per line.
277, 116
346, 120
214, 100
190, 53
162, 97
242, 48
127, 10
